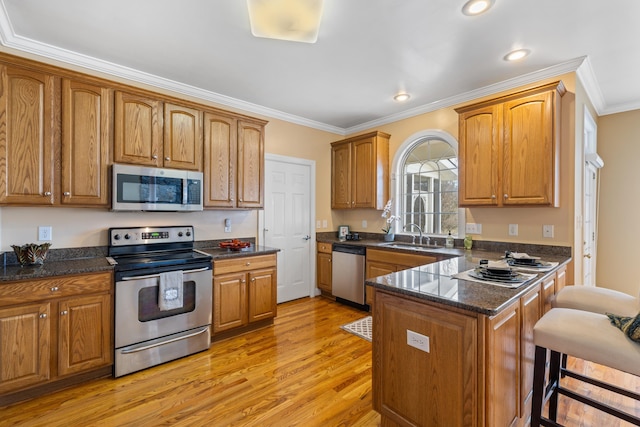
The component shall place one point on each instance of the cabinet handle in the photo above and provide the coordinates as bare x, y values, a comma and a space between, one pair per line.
67, 193
43, 315
47, 193
54, 289
154, 157
64, 312
167, 158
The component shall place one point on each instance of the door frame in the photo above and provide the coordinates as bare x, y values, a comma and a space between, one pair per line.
592, 164
260, 232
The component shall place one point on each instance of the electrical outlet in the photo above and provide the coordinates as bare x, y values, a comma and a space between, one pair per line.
227, 225
364, 223
513, 229
547, 231
472, 228
318, 224
419, 341
44, 233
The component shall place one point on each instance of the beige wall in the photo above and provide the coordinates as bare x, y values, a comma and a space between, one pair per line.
494, 221
619, 147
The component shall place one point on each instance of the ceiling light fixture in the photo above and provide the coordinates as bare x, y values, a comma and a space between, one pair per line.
401, 97
293, 20
517, 54
476, 7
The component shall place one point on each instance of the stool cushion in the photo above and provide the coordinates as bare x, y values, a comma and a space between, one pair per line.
587, 336
629, 325
597, 300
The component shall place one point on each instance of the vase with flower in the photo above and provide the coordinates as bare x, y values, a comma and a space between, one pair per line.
389, 236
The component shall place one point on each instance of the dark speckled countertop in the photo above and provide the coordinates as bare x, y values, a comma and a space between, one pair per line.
69, 261
433, 282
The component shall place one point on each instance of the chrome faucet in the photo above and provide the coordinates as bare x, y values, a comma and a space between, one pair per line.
414, 237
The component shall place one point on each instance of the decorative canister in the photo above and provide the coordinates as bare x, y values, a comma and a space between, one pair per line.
31, 253
468, 242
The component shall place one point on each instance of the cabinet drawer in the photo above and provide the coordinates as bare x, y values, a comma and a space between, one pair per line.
55, 287
235, 265
324, 248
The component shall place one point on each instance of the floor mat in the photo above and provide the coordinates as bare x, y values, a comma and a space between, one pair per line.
361, 328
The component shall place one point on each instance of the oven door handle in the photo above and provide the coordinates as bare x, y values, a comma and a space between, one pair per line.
150, 276
137, 348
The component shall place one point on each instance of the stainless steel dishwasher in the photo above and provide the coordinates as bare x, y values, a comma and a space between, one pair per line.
348, 274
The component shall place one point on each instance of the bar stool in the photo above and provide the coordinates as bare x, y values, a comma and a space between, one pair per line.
588, 336
597, 300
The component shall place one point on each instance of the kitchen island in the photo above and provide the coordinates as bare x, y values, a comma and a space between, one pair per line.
456, 352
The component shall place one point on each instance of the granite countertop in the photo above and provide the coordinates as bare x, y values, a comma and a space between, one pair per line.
433, 282
70, 261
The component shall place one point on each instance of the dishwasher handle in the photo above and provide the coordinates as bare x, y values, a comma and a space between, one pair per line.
349, 249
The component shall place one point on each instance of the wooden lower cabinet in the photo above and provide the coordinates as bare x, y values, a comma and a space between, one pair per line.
52, 329
324, 268
380, 261
482, 364
244, 291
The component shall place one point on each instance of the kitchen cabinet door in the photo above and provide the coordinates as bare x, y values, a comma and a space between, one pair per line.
480, 141
220, 159
86, 143
182, 137
324, 272
84, 334
28, 119
341, 176
229, 301
24, 348
262, 294
138, 130
250, 165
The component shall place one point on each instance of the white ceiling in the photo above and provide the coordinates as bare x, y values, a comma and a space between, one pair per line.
367, 51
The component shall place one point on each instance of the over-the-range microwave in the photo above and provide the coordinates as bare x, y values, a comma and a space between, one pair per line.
139, 188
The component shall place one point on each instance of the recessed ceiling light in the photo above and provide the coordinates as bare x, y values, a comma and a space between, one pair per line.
401, 97
516, 54
476, 7
292, 20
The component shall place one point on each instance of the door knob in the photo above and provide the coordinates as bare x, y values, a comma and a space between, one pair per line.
307, 237
587, 256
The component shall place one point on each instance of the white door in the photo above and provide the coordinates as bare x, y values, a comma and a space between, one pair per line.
288, 223
593, 163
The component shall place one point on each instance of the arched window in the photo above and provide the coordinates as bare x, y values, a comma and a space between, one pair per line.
426, 185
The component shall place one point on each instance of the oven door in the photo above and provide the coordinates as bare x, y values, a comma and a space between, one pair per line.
138, 317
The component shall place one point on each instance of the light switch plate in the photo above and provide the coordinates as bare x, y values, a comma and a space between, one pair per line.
547, 231
472, 228
318, 224
364, 223
513, 229
324, 223
44, 233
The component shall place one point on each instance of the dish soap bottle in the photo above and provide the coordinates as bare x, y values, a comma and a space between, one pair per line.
449, 242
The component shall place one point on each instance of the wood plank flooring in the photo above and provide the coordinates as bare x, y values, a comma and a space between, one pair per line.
305, 371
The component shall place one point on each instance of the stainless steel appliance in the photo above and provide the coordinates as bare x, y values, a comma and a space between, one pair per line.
348, 270
138, 188
147, 331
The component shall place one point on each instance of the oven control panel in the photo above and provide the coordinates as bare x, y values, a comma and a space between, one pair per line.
150, 235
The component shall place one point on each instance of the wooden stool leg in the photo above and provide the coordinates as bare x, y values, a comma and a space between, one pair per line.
554, 383
539, 364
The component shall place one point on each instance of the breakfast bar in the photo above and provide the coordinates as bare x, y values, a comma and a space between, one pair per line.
456, 352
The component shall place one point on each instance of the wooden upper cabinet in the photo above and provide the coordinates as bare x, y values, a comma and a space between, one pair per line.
220, 158
28, 130
509, 149
360, 172
250, 165
138, 130
86, 143
182, 137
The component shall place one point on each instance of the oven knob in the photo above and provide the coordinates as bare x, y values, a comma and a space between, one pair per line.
179, 233
127, 236
116, 237
188, 233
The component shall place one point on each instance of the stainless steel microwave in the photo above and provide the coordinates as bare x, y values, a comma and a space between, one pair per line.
138, 188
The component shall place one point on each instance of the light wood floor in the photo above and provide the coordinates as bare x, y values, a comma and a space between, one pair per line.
305, 371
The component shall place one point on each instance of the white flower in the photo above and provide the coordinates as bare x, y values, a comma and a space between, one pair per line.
389, 218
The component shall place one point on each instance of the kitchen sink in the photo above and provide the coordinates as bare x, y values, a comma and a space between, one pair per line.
412, 246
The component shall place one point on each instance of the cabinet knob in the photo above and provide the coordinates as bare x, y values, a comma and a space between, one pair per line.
493, 196
243, 281
64, 312
43, 315
232, 200
506, 196
67, 193
47, 193
54, 289
253, 279
154, 157
247, 263
167, 158
240, 200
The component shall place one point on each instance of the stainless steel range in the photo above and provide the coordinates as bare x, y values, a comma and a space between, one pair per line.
162, 296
